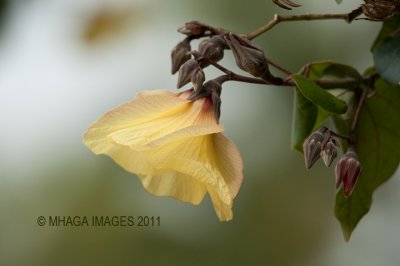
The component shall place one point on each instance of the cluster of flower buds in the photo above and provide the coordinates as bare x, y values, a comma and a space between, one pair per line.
379, 10
210, 49
321, 143
190, 64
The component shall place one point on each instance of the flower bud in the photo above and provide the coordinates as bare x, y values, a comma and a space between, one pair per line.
213, 48
185, 72
329, 151
248, 56
179, 55
312, 147
347, 172
197, 78
193, 28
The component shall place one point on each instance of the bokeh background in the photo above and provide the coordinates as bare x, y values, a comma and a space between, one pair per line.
63, 63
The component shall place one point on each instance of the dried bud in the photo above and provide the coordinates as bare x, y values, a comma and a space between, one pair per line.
248, 56
329, 151
312, 147
179, 55
380, 9
198, 77
347, 172
193, 28
213, 48
185, 72
212, 91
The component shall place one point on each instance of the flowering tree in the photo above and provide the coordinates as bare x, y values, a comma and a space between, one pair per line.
174, 142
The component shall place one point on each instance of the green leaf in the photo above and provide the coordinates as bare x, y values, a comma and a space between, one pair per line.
304, 118
339, 1
388, 27
378, 149
321, 118
329, 70
387, 58
319, 96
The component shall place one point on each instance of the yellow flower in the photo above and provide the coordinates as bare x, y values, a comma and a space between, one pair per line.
174, 145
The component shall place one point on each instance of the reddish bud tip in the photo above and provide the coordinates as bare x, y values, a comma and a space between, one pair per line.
329, 152
347, 171
211, 90
312, 147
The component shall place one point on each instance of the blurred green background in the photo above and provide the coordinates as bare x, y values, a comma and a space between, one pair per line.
65, 63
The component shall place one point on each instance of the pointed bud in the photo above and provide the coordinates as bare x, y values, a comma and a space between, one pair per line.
329, 152
312, 147
179, 55
213, 48
347, 172
193, 28
198, 77
248, 56
185, 72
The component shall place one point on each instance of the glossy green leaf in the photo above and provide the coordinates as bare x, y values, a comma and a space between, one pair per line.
304, 118
378, 149
321, 118
319, 96
387, 58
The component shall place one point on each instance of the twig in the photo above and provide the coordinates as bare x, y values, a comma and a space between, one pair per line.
356, 117
278, 18
235, 77
230, 75
281, 68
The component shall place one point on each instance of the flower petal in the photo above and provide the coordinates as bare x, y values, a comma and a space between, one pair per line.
229, 162
137, 124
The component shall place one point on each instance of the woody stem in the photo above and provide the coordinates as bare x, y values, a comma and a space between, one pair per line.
356, 117
348, 17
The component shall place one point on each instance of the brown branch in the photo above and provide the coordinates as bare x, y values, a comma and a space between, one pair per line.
278, 19
356, 117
